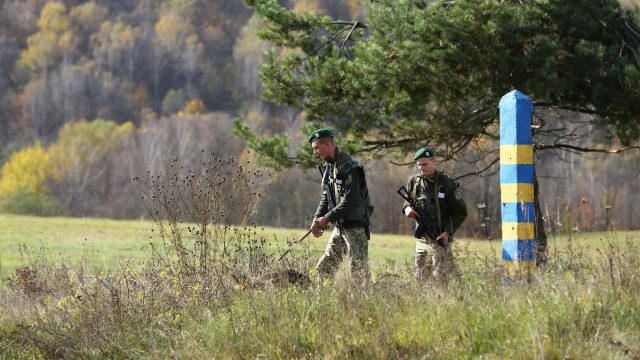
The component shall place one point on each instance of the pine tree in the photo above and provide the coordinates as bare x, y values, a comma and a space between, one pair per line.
419, 73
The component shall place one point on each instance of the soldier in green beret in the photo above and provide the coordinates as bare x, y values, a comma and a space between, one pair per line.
345, 202
440, 196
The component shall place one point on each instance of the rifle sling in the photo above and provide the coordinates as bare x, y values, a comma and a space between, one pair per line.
328, 188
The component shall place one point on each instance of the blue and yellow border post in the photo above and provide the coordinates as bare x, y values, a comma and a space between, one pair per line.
516, 185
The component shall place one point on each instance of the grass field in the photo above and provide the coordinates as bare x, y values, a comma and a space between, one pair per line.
101, 242
112, 299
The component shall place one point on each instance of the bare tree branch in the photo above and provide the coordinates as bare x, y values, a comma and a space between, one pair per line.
584, 149
478, 172
355, 25
583, 110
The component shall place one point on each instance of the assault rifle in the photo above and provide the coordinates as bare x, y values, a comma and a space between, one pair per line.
425, 228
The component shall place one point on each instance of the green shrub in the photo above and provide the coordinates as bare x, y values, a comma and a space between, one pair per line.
25, 202
173, 101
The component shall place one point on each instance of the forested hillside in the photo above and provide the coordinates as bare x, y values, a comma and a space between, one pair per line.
93, 93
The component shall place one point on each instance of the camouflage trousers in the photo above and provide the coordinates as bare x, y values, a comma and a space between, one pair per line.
433, 261
352, 242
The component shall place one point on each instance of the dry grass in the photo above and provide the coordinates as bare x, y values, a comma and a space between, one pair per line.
207, 289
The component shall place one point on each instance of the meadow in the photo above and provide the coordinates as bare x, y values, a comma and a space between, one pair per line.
102, 243
95, 288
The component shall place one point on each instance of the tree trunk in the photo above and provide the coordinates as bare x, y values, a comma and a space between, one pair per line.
540, 238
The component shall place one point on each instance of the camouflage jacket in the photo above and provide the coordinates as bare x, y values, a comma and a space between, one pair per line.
446, 190
345, 197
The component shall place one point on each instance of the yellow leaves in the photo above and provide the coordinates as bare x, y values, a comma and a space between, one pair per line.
83, 143
66, 40
172, 31
42, 51
123, 131
89, 15
45, 47
115, 35
79, 145
176, 35
26, 170
115, 42
53, 18
122, 33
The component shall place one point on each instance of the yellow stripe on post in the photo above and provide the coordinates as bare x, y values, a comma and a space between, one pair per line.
520, 193
518, 268
516, 154
518, 231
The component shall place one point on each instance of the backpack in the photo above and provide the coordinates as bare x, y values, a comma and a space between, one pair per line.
364, 189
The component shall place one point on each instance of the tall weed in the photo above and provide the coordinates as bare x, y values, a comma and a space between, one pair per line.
208, 290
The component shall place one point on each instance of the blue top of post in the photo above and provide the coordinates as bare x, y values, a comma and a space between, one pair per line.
515, 119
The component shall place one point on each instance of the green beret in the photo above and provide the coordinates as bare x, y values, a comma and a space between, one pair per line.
319, 134
424, 153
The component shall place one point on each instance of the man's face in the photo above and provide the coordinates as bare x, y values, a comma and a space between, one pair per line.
427, 166
322, 148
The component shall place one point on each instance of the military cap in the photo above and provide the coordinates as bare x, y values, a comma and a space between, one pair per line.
319, 134
425, 152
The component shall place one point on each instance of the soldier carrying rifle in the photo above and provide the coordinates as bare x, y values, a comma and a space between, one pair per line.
435, 202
